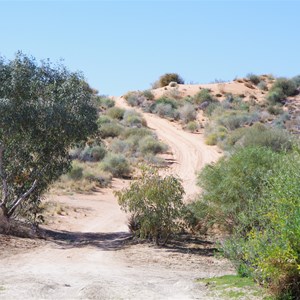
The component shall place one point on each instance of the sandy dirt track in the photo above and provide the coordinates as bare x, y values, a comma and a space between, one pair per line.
88, 256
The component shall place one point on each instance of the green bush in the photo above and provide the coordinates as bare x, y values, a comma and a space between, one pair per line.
112, 129
103, 119
275, 96
105, 102
115, 113
270, 251
98, 153
296, 80
165, 79
203, 96
117, 165
192, 126
276, 139
148, 95
135, 131
76, 173
232, 186
150, 145
133, 119
287, 86
253, 78
155, 204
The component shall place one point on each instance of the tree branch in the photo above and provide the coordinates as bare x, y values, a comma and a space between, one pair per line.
21, 198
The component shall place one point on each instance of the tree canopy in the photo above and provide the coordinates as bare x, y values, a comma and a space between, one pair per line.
44, 110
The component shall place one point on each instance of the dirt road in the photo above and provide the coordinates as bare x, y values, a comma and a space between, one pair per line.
88, 257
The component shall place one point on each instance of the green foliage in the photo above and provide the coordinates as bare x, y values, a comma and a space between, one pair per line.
232, 185
203, 96
275, 95
270, 251
281, 88
76, 173
253, 78
296, 80
167, 78
44, 111
132, 118
260, 136
112, 129
155, 204
115, 113
150, 145
192, 126
287, 86
148, 95
105, 102
117, 165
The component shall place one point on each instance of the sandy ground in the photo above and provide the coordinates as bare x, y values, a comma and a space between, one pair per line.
89, 255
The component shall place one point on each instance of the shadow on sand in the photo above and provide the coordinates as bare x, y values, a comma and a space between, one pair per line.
105, 241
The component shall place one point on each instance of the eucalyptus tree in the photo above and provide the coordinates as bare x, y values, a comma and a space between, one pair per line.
44, 110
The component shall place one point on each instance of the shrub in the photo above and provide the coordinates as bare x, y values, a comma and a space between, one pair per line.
110, 130
262, 86
203, 96
287, 86
192, 126
296, 80
165, 110
274, 109
234, 119
103, 119
115, 113
232, 186
275, 96
167, 78
148, 95
138, 132
253, 78
135, 98
150, 145
132, 118
211, 139
155, 204
76, 173
98, 153
187, 113
117, 165
105, 102
275, 139
270, 252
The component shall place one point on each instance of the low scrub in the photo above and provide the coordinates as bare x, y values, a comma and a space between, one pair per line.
115, 113
150, 145
117, 165
155, 204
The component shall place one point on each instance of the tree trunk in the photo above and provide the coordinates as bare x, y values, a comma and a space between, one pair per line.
4, 222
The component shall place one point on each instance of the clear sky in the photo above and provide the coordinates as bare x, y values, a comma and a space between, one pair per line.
127, 45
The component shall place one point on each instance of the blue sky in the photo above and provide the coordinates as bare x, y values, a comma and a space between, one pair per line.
127, 45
